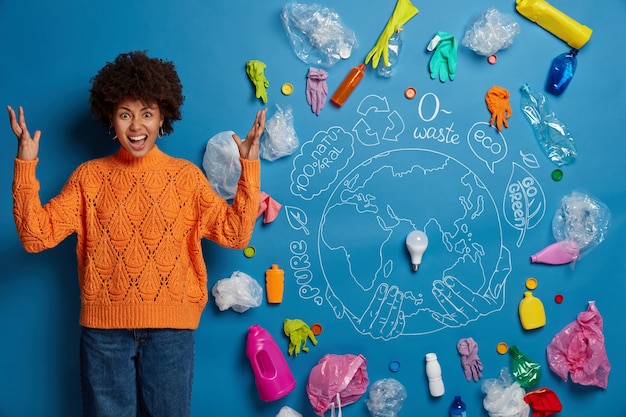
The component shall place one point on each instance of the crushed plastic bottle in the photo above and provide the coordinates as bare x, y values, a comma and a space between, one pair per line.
561, 72
395, 47
458, 408
553, 136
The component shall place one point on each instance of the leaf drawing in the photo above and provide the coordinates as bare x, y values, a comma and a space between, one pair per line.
529, 159
297, 219
524, 203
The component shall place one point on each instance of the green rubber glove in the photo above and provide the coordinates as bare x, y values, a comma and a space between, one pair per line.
298, 333
255, 69
443, 61
402, 13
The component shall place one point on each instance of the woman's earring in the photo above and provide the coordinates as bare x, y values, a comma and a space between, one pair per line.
114, 137
161, 132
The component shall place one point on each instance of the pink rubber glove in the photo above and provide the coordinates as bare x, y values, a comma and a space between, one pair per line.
472, 366
316, 89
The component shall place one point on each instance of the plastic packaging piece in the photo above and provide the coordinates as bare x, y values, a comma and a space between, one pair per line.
544, 402
268, 208
442, 64
553, 136
298, 332
239, 292
578, 350
316, 89
498, 104
504, 397
558, 253
532, 314
583, 219
525, 371
561, 72
287, 411
458, 408
279, 138
491, 32
472, 366
336, 381
395, 47
348, 85
403, 11
433, 372
274, 284
386, 398
256, 72
316, 33
221, 164
554, 21
272, 375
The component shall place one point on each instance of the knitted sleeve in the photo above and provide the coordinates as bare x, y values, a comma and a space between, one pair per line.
42, 227
231, 225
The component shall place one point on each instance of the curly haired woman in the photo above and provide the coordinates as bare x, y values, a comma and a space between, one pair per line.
139, 216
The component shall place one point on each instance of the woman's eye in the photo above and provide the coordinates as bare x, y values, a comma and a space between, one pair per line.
147, 115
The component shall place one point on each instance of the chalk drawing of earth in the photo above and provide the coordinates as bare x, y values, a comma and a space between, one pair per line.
364, 260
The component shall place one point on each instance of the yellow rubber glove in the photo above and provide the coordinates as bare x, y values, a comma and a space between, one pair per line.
298, 333
402, 13
255, 69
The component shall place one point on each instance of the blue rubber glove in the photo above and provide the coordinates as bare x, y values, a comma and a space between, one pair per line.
443, 62
316, 89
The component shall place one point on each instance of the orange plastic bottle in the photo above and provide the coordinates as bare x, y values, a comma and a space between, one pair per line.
274, 284
348, 85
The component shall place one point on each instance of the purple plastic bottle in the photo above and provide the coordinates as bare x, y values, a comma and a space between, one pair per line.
272, 374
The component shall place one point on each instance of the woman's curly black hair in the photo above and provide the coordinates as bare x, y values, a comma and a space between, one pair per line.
136, 76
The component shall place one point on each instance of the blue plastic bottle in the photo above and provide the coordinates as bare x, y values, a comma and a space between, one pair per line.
561, 72
458, 408
394, 47
553, 136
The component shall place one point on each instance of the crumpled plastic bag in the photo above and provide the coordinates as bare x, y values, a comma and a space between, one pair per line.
386, 398
336, 381
504, 397
221, 164
317, 34
491, 32
583, 219
240, 291
578, 350
279, 137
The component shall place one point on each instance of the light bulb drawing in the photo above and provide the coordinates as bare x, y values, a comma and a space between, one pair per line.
416, 244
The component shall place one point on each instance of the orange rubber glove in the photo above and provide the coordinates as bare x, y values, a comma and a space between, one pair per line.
497, 99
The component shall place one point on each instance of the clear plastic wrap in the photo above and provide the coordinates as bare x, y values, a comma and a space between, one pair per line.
504, 397
583, 219
239, 292
491, 32
317, 34
279, 138
386, 398
221, 164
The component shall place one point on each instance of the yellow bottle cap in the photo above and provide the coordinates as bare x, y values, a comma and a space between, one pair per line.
502, 348
287, 89
531, 283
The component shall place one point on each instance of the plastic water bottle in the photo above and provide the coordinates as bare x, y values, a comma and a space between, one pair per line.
553, 136
348, 85
458, 408
561, 72
272, 374
394, 47
433, 372
274, 284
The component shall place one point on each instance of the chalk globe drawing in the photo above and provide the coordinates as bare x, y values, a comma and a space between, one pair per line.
364, 261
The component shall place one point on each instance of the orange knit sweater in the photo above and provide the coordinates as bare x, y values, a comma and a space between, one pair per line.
139, 224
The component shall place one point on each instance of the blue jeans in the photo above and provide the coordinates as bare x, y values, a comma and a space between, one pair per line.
137, 372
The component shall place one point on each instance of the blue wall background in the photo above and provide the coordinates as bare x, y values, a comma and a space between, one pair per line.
50, 51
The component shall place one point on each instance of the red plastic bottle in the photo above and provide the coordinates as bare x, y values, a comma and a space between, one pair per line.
348, 85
